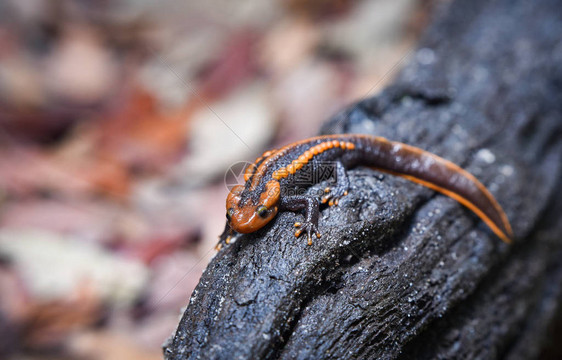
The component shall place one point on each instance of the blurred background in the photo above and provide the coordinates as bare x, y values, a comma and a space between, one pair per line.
118, 120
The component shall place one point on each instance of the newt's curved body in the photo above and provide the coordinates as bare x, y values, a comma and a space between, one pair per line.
273, 181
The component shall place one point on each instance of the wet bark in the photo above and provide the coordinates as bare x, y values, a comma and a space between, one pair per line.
400, 271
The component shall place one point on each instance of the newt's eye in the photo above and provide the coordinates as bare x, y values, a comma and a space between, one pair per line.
229, 214
262, 211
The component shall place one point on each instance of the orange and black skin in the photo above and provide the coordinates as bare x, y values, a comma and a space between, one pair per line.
272, 182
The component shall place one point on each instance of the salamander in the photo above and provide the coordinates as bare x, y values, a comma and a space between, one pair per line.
276, 180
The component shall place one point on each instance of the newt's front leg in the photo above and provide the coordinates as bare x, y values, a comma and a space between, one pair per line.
311, 213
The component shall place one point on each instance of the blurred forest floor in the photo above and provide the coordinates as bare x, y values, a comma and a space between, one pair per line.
118, 120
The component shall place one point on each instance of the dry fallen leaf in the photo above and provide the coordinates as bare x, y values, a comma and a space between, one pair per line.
48, 324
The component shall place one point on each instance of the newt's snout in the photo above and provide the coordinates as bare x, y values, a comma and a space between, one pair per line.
246, 217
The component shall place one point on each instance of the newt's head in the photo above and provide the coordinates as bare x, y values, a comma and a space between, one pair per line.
245, 215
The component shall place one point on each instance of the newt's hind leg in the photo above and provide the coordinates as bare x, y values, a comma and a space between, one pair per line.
332, 194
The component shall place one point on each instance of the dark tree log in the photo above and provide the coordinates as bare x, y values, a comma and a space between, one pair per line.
400, 271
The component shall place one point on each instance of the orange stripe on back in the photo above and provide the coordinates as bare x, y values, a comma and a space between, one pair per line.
251, 169
303, 159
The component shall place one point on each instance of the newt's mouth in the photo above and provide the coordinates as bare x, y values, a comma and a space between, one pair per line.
247, 220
